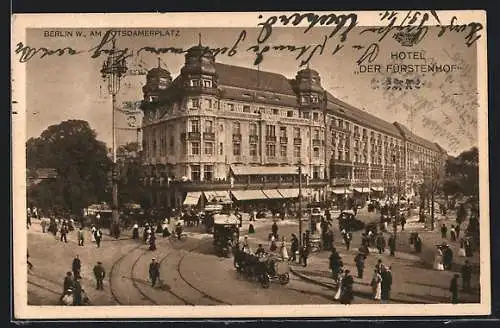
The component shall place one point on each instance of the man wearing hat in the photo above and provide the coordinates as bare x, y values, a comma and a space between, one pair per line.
99, 274
154, 271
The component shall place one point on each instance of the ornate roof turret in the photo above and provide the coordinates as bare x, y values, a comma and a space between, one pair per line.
199, 60
308, 80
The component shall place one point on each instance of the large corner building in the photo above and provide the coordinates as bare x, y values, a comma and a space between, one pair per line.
219, 131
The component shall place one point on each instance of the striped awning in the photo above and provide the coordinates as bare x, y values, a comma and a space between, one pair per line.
289, 193
248, 194
378, 188
362, 189
341, 191
264, 170
192, 198
272, 193
217, 196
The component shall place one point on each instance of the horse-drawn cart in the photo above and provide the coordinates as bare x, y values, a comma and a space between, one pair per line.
263, 268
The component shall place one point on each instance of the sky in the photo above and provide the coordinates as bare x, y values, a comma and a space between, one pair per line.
442, 110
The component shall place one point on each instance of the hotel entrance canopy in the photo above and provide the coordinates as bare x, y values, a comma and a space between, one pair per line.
341, 191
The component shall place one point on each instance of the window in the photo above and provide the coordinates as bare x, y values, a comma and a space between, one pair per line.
236, 149
283, 151
154, 147
221, 148
305, 115
194, 83
230, 107
253, 149
347, 156
270, 130
207, 83
208, 172
184, 148
339, 156
246, 109
236, 128
283, 132
209, 126
314, 99
163, 83
304, 99
296, 151
195, 103
262, 110
315, 116
209, 148
347, 125
271, 150
209, 103
316, 134
289, 113
276, 111
253, 129
296, 133
316, 170
316, 152
340, 123
195, 148
195, 172
195, 126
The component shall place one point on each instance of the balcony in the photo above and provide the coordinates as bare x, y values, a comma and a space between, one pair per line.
283, 140
270, 138
253, 139
297, 141
209, 136
194, 136
316, 142
236, 137
224, 184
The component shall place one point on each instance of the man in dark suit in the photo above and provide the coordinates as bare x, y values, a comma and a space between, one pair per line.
154, 271
77, 265
99, 274
386, 284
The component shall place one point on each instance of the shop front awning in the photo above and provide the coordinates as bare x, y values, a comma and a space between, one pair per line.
377, 188
341, 191
289, 193
264, 170
192, 198
362, 189
218, 196
248, 194
272, 193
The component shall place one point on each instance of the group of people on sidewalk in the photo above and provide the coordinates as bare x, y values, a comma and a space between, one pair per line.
73, 292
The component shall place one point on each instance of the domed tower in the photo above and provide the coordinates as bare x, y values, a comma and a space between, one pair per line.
158, 79
308, 87
199, 71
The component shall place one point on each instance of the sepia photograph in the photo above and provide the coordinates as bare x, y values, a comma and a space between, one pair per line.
250, 164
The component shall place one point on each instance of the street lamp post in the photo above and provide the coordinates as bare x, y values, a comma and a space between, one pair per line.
112, 71
299, 164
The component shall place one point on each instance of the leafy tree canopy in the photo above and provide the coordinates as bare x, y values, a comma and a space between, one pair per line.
80, 160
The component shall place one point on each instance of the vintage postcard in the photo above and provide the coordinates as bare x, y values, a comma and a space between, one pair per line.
250, 165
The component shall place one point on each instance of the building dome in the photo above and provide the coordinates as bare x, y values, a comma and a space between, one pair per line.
308, 80
159, 72
199, 60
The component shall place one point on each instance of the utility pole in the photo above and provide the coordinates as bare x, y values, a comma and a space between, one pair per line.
396, 218
432, 196
299, 164
112, 70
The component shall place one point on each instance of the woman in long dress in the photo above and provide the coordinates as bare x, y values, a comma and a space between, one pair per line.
283, 250
92, 234
438, 260
376, 285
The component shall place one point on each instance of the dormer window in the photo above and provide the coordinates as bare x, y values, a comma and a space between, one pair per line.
194, 83
207, 83
163, 83
314, 99
304, 99
195, 103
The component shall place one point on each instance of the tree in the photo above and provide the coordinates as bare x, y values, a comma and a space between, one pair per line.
462, 174
81, 163
131, 187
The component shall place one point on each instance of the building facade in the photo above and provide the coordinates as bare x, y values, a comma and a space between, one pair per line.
219, 131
